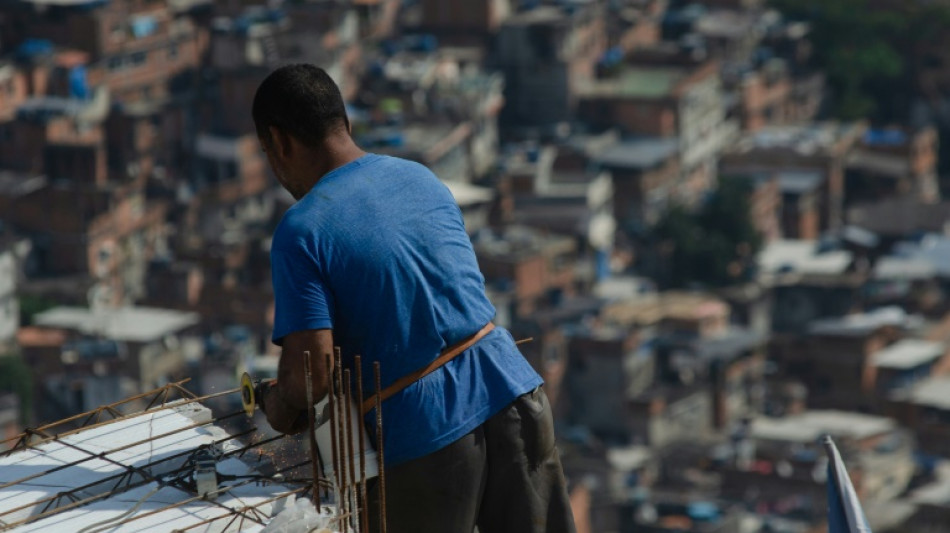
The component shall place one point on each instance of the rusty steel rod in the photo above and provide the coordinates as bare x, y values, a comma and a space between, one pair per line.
351, 457
118, 478
343, 430
364, 518
114, 450
331, 391
340, 427
86, 501
110, 408
347, 446
379, 449
311, 428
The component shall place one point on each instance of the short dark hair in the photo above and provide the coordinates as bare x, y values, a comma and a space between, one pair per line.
300, 99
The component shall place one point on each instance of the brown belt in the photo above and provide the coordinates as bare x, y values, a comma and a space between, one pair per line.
447, 355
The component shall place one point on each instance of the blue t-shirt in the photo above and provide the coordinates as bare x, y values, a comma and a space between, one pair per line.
377, 251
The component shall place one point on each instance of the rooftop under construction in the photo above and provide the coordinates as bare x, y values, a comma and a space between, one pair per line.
162, 461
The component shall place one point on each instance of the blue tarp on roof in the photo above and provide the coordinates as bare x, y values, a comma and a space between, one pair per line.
32, 48
885, 137
78, 85
612, 56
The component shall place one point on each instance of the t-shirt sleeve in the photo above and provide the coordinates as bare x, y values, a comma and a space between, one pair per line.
302, 300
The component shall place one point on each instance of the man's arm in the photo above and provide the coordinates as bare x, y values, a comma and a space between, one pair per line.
287, 400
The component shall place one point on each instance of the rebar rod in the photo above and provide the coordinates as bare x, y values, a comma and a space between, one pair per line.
364, 519
342, 429
46, 437
379, 449
118, 477
91, 499
244, 509
311, 427
350, 457
92, 412
331, 393
192, 499
120, 448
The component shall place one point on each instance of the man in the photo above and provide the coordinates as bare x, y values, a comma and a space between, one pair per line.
374, 258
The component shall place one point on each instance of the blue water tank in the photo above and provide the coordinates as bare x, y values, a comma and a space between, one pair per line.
612, 56
32, 48
78, 84
703, 511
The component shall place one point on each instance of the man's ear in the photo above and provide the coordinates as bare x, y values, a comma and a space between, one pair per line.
281, 141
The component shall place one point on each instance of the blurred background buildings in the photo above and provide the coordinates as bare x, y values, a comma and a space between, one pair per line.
722, 222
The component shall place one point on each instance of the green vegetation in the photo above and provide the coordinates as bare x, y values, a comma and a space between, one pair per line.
714, 247
855, 47
31, 305
15, 376
869, 55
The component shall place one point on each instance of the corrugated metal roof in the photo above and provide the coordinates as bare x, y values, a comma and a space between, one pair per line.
134, 324
809, 426
802, 256
639, 154
931, 392
864, 323
908, 353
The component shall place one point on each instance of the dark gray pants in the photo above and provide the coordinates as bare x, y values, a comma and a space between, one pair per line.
505, 476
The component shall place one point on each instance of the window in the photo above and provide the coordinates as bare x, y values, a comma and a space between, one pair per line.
173, 51
137, 59
115, 63
142, 26
104, 258
116, 32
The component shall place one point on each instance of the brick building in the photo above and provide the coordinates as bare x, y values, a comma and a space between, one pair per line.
537, 269
893, 163
855, 361
323, 33
765, 96
781, 462
766, 206
134, 47
558, 189
646, 175
674, 101
923, 408
468, 23
821, 148
84, 218
546, 54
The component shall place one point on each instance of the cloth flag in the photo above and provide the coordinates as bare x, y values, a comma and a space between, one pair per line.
845, 514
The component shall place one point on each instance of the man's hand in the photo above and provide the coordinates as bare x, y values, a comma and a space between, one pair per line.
285, 403
282, 417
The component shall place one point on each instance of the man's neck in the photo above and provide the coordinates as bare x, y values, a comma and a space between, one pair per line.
337, 151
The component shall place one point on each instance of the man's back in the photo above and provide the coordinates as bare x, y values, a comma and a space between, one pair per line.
377, 252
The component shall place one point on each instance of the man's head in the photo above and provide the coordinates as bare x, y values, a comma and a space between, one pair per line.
300, 117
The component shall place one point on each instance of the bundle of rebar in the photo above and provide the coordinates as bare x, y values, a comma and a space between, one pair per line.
349, 483
348, 457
